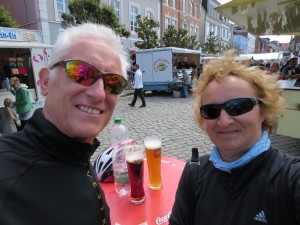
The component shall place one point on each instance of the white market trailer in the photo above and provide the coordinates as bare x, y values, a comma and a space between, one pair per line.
22, 55
159, 65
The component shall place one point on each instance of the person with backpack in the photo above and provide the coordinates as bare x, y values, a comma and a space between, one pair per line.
244, 180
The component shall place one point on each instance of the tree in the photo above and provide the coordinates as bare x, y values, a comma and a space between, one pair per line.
82, 11
194, 44
5, 18
179, 38
146, 32
235, 47
212, 45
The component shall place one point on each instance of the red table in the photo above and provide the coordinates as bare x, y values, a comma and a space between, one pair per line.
158, 205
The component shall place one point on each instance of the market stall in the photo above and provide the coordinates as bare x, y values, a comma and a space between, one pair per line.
22, 55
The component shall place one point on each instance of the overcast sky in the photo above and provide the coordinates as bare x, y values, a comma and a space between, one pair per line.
280, 38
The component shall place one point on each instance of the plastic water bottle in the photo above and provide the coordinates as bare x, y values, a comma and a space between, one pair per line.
119, 136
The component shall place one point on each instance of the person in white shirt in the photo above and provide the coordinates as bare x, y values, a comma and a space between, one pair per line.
138, 87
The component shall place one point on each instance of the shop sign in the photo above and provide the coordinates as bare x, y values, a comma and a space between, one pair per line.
9, 34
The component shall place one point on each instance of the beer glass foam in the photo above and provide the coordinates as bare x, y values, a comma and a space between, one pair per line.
153, 154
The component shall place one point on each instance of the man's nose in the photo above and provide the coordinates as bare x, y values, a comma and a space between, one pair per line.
97, 89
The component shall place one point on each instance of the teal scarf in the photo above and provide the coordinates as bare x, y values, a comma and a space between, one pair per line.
261, 146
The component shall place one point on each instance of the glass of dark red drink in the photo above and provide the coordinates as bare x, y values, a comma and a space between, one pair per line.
135, 164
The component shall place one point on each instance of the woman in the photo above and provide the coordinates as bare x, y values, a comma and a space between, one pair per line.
8, 117
274, 69
244, 180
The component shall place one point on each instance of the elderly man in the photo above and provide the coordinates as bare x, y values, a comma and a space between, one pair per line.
45, 175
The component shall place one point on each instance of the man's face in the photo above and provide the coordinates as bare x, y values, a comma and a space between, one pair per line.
79, 111
293, 63
16, 85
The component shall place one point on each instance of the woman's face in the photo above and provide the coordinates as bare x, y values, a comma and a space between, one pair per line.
275, 67
233, 135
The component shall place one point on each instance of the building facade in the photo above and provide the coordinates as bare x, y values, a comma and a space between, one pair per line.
45, 15
251, 43
42, 15
212, 21
181, 14
127, 12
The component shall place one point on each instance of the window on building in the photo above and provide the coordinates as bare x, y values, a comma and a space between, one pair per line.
185, 26
62, 6
167, 2
175, 4
149, 14
184, 6
191, 30
175, 23
133, 20
117, 7
196, 32
167, 23
192, 13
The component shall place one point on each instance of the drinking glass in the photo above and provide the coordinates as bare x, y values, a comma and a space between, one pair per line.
135, 163
153, 153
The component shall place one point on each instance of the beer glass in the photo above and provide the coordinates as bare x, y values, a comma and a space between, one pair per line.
135, 163
153, 154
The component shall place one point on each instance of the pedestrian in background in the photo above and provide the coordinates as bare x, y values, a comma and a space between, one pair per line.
292, 71
244, 180
138, 87
186, 78
274, 69
46, 176
8, 118
23, 102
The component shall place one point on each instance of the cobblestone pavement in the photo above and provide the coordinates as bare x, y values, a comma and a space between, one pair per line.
173, 120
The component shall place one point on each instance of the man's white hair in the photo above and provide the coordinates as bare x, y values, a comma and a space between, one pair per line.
65, 39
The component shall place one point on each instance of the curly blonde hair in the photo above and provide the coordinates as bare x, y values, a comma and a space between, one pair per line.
265, 87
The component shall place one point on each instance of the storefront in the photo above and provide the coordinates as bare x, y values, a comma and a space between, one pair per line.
22, 55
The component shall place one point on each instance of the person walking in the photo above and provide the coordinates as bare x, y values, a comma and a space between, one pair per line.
138, 87
8, 118
244, 180
46, 176
23, 102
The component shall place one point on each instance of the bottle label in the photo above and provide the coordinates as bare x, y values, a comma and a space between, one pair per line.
121, 177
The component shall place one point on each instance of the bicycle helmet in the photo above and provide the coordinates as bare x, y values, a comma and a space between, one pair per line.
103, 166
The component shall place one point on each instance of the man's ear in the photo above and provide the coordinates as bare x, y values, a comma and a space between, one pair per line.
44, 76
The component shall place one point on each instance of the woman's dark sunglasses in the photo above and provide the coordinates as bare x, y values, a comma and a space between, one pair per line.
86, 74
234, 107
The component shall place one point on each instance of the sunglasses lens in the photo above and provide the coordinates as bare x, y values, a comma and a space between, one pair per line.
86, 74
81, 72
233, 107
211, 111
114, 83
239, 106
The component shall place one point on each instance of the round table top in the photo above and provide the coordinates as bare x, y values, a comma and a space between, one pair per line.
158, 204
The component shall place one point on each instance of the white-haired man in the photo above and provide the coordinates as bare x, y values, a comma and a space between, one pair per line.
46, 176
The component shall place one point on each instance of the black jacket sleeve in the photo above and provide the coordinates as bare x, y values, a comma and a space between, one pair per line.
181, 212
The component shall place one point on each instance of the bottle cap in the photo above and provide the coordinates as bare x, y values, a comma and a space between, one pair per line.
118, 120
